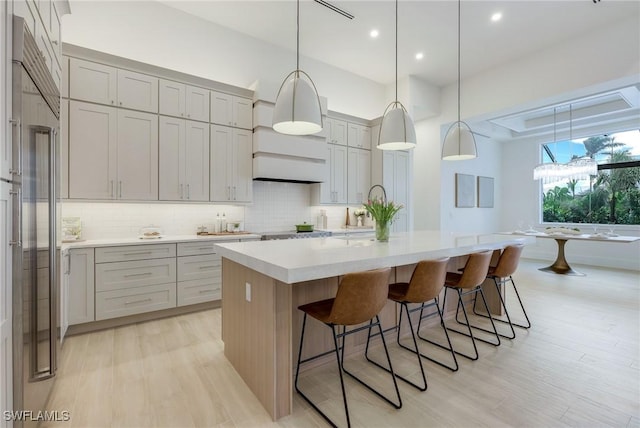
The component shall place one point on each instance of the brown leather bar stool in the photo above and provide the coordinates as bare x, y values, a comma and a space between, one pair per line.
360, 298
502, 275
470, 282
424, 288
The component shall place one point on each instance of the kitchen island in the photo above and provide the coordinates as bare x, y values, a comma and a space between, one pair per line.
263, 283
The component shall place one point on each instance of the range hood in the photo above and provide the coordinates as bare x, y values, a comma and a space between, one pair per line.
288, 158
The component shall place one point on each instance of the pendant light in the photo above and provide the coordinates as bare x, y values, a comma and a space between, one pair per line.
297, 110
396, 130
459, 141
551, 171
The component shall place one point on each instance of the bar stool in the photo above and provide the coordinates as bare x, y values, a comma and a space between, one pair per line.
501, 275
470, 282
424, 288
360, 297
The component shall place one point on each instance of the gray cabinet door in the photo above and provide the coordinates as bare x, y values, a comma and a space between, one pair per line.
92, 151
242, 164
81, 286
197, 103
221, 108
137, 155
339, 174
196, 161
358, 175
90, 81
220, 161
172, 98
242, 113
171, 158
137, 91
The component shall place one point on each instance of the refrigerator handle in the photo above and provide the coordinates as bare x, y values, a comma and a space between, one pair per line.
53, 247
17, 235
18, 170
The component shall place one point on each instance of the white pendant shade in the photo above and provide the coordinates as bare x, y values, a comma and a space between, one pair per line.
396, 130
459, 143
297, 110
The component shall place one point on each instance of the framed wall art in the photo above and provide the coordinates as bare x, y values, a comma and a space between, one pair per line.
465, 191
485, 192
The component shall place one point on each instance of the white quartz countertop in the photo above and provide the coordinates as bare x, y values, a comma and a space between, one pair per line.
169, 239
297, 260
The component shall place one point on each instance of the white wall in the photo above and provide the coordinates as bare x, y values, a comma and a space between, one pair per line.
153, 33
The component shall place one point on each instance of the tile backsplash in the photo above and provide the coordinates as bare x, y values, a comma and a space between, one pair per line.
276, 207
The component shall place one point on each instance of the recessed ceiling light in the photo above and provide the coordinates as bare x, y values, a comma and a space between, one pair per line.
419, 55
374, 33
496, 17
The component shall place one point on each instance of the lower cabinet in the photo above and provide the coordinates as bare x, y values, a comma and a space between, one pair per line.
135, 300
79, 278
199, 274
111, 282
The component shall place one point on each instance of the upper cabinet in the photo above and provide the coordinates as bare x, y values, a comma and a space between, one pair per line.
359, 136
90, 81
43, 20
230, 110
113, 153
137, 91
185, 101
184, 160
103, 84
336, 131
231, 164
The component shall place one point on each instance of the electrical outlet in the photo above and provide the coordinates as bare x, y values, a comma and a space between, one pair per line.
247, 291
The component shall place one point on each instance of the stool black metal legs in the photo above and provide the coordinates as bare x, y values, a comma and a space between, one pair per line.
461, 293
339, 352
450, 348
503, 281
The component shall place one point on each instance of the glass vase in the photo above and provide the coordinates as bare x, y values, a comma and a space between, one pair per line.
382, 231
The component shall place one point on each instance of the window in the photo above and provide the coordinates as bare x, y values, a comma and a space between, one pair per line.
610, 197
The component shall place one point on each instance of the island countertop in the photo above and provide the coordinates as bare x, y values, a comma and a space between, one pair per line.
297, 260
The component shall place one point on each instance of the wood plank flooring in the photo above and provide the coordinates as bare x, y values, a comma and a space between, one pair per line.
578, 366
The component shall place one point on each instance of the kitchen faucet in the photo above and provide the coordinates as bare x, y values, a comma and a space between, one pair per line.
384, 192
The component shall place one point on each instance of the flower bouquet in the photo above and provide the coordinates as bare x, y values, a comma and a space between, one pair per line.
383, 213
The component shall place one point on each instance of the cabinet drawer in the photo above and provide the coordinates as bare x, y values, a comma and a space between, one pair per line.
198, 248
135, 252
119, 303
198, 291
199, 267
121, 275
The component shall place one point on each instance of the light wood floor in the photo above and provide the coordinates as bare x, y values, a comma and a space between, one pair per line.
578, 366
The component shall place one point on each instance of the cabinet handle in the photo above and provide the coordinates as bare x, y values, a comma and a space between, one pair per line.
207, 267
112, 102
54, 42
139, 253
182, 114
188, 192
138, 274
138, 301
188, 115
181, 192
208, 291
120, 189
120, 102
234, 193
205, 248
68, 271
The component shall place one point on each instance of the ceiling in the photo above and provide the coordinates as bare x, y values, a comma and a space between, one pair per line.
426, 26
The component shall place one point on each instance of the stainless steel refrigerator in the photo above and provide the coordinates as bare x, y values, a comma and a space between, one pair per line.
35, 120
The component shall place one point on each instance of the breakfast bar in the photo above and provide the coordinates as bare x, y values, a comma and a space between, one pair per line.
264, 282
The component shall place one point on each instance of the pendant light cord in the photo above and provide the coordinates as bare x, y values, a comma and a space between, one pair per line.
396, 50
298, 36
458, 61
